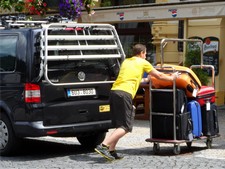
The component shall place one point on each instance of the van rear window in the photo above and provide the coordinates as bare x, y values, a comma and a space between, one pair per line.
95, 70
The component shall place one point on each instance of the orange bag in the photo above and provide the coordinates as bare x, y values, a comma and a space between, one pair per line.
187, 80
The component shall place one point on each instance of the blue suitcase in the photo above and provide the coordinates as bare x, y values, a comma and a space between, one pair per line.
194, 108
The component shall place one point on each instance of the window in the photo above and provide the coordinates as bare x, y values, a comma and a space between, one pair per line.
7, 53
98, 68
136, 32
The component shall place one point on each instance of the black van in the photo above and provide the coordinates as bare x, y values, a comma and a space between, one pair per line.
55, 81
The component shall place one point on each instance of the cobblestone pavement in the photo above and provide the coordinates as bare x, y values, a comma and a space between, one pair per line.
67, 153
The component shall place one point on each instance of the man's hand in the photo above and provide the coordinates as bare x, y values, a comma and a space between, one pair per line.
145, 80
175, 75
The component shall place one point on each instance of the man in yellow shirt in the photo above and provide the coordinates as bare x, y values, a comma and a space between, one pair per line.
121, 98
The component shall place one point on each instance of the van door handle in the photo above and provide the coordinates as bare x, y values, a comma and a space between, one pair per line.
83, 111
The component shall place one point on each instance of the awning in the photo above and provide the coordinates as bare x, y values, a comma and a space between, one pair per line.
152, 12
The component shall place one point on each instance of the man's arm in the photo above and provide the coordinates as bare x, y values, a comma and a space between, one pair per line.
161, 76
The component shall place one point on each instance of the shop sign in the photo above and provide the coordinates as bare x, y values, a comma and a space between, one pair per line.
211, 53
121, 15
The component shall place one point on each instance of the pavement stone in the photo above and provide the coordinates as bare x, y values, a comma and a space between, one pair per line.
138, 153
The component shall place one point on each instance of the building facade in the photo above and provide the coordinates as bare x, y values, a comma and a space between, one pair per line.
149, 22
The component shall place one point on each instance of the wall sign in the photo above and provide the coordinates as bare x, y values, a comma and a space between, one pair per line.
211, 53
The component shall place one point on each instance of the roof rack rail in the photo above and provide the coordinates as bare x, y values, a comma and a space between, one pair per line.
22, 23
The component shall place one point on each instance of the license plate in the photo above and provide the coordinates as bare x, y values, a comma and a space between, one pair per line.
81, 92
104, 108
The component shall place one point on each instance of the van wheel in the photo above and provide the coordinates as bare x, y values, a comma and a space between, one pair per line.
91, 141
8, 141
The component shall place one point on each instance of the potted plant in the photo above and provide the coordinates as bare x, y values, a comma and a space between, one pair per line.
193, 57
72, 8
36, 7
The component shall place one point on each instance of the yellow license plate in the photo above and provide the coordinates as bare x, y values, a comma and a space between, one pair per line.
104, 108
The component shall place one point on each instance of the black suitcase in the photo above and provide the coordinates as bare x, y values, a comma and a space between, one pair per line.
162, 127
162, 101
210, 125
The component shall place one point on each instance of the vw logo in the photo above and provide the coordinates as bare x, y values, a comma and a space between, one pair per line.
81, 76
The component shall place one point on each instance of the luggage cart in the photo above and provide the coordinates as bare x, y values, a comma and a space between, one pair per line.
156, 141
175, 141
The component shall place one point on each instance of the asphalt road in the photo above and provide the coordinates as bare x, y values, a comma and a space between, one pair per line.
48, 153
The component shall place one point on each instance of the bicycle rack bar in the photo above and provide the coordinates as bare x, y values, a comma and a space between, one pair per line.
81, 41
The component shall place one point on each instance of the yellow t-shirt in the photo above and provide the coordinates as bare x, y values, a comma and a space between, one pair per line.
130, 75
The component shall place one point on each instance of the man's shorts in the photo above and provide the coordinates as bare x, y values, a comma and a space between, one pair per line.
122, 110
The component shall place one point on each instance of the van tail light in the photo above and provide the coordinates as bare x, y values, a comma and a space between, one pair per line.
32, 93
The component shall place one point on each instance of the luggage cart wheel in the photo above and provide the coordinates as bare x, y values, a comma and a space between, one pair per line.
156, 148
189, 144
209, 143
176, 149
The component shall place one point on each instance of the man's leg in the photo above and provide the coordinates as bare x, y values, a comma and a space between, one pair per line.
114, 138
107, 148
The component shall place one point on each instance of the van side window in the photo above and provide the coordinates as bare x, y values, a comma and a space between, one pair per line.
7, 52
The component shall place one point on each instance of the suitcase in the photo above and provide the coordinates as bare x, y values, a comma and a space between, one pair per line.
206, 94
162, 101
187, 80
194, 108
210, 125
162, 127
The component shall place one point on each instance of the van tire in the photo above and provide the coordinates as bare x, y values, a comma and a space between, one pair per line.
9, 142
91, 141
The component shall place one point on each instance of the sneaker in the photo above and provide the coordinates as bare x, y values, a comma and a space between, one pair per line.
104, 151
116, 156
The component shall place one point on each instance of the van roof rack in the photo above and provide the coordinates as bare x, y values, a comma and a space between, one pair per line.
22, 23
84, 41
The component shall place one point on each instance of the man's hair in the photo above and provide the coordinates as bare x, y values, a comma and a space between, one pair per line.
138, 48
